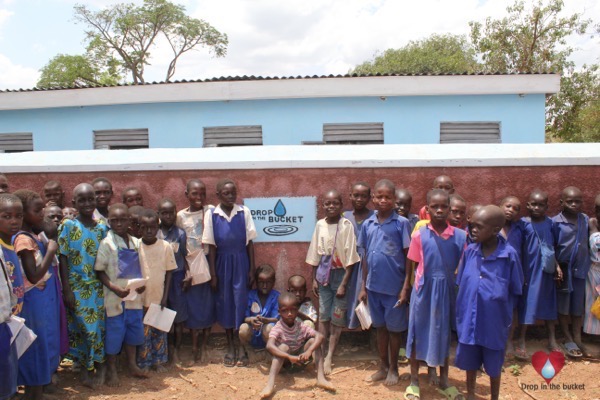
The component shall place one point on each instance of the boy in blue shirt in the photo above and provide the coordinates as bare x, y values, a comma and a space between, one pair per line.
385, 237
489, 274
573, 257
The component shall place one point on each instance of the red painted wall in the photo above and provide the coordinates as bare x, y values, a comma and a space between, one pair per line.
477, 185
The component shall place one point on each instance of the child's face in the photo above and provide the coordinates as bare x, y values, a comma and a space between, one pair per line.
227, 195
265, 283
119, 221
85, 201
458, 211
332, 204
54, 214
167, 214
148, 229
444, 184
196, 196
288, 310
11, 219
537, 206
511, 209
54, 196
571, 202
481, 228
359, 197
438, 208
133, 198
298, 290
134, 226
403, 203
384, 199
3, 184
34, 214
103, 193
69, 212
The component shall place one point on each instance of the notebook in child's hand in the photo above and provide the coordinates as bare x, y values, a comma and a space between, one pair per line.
364, 316
159, 319
132, 285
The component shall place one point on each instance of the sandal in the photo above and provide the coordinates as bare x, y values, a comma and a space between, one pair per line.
413, 391
229, 360
573, 350
243, 361
451, 393
556, 348
402, 356
521, 354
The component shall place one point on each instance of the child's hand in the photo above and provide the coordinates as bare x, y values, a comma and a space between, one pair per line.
404, 296
341, 292
255, 323
186, 283
52, 247
214, 283
304, 357
120, 291
140, 290
69, 299
362, 296
163, 304
558, 275
315, 288
294, 359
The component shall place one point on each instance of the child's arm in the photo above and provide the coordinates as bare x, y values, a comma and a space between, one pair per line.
316, 343
68, 297
277, 352
405, 292
32, 272
103, 277
315, 284
362, 296
252, 271
341, 292
267, 320
212, 255
163, 302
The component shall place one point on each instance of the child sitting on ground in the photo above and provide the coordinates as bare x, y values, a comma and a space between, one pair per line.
261, 314
157, 261
488, 275
403, 206
294, 342
307, 313
132, 196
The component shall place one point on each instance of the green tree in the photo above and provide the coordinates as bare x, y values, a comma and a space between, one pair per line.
66, 70
437, 54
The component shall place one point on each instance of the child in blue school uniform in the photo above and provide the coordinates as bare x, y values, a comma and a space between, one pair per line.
488, 275
436, 248
360, 196
12, 291
41, 301
538, 301
229, 231
573, 257
200, 298
403, 206
169, 231
117, 262
261, 314
385, 238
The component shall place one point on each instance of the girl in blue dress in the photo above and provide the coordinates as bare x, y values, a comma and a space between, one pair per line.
41, 302
229, 231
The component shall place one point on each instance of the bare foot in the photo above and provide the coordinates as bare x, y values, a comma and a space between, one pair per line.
392, 377
433, 377
161, 369
203, 356
325, 384
86, 380
267, 392
136, 372
327, 365
380, 375
112, 380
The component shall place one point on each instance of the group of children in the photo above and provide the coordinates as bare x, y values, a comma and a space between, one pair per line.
478, 271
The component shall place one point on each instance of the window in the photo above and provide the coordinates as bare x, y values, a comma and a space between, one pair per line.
223, 136
16, 142
121, 139
470, 132
355, 133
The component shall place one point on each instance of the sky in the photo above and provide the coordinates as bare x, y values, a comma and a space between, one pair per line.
266, 37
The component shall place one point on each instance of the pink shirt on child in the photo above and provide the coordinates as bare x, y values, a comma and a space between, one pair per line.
294, 336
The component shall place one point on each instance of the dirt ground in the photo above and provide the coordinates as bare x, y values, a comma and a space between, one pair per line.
353, 363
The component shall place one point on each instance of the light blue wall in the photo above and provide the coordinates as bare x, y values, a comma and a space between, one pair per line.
406, 120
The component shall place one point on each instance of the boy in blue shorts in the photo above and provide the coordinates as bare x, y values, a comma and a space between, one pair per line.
385, 237
116, 263
573, 257
489, 274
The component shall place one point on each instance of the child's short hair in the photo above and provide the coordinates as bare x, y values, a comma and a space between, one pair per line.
457, 197
287, 297
438, 192
335, 192
26, 196
129, 189
9, 199
193, 181
401, 191
149, 214
118, 206
52, 184
223, 182
298, 280
540, 193
508, 198
265, 269
361, 183
136, 210
103, 180
166, 200
385, 183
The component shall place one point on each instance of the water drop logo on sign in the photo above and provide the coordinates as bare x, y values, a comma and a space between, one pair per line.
283, 219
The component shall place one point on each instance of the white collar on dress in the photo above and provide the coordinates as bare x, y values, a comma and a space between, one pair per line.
236, 209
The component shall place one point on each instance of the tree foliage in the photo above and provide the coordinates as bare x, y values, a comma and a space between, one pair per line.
65, 70
120, 39
437, 54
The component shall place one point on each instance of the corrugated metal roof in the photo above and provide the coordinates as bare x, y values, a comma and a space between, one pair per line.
259, 78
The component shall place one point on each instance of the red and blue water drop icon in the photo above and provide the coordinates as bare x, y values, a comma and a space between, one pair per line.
548, 365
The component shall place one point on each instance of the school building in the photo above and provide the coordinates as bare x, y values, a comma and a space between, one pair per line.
411, 109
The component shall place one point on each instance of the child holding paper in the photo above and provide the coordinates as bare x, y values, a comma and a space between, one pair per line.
116, 263
157, 261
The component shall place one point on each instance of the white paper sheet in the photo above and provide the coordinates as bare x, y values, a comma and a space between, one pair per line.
364, 316
24, 340
160, 319
15, 324
132, 285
